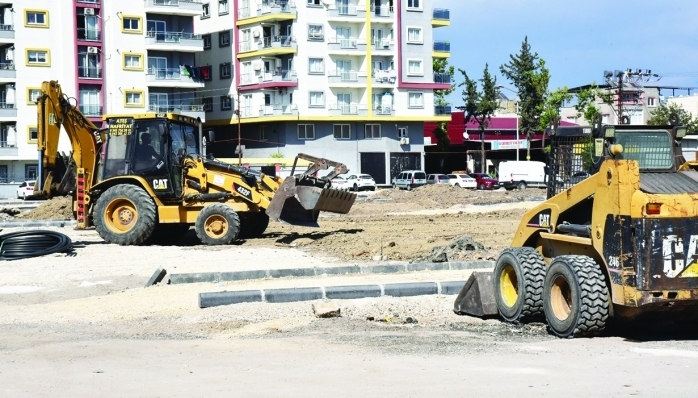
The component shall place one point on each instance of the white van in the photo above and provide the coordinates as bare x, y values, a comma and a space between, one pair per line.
521, 174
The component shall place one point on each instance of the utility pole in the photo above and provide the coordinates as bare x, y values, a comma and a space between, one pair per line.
634, 77
483, 167
237, 111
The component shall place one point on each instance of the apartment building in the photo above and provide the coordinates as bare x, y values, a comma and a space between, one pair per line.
128, 56
349, 80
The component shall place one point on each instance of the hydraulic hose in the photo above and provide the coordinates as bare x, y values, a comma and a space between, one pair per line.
26, 244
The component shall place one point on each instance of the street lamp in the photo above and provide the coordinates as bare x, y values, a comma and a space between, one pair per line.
517, 117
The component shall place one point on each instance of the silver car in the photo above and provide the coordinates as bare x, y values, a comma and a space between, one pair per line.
410, 179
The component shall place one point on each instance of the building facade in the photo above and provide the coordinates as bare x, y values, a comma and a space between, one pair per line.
349, 80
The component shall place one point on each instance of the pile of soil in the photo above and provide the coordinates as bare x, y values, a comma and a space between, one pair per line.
58, 208
459, 249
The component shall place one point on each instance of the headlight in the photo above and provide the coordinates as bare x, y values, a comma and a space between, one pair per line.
681, 132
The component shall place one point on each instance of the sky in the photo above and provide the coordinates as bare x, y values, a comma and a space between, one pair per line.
577, 39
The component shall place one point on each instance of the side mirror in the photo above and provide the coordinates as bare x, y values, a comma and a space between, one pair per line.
210, 136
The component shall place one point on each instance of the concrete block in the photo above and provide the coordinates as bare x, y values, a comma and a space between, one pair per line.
326, 309
383, 269
158, 275
457, 265
347, 269
427, 267
243, 275
296, 294
452, 287
199, 277
295, 272
410, 289
225, 298
352, 292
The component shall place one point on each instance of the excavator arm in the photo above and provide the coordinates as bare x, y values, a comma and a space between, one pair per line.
56, 174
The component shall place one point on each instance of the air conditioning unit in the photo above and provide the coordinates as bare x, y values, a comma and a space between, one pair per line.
278, 63
404, 141
92, 50
89, 11
255, 33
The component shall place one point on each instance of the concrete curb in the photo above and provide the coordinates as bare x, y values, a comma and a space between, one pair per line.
214, 299
37, 223
215, 277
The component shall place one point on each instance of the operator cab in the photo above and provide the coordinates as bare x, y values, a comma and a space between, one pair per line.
152, 146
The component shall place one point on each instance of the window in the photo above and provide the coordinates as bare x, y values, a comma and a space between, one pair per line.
650, 101
306, 131
36, 19
30, 171
205, 11
414, 35
416, 100
226, 103
414, 4
224, 39
414, 67
133, 99
342, 132
33, 95
223, 7
315, 32
207, 72
262, 133
32, 134
316, 66
208, 104
207, 41
131, 24
36, 57
372, 131
224, 70
314, 3
317, 99
133, 61
402, 132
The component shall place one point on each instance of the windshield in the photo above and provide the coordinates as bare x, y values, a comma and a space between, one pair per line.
184, 139
651, 149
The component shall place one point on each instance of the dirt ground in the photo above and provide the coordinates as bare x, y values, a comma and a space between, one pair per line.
59, 208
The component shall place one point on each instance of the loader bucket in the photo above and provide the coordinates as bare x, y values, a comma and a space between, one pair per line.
477, 297
302, 204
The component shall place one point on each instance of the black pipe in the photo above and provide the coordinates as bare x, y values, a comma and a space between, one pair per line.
576, 229
26, 244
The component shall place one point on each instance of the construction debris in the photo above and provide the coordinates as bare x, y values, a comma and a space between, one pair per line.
454, 251
326, 309
58, 208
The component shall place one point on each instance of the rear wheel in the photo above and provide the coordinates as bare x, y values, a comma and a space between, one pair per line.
521, 186
518, 284
575, 297
217, 224
480, 187
457, 185
125, 215
356, 188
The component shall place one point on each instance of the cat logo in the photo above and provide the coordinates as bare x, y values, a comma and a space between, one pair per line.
541, 220
160, 184
544, 220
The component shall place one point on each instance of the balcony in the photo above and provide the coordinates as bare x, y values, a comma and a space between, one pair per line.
91, 110
381, 45
89, 72
89, 34
174, 41
384, 77
8, 110
441, 49
189, 8
440, 17
7, 32
442, 78
346, 78
7, 71
270, 45
277, 78
380, 110
170, 77
346, 12
348, 109
346, 46
382, 11
278, 110
268, 11
190, 110
442, 110
89, 1
9, 148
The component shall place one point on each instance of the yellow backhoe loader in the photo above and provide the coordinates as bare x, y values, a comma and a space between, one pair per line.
617, 237
143, 179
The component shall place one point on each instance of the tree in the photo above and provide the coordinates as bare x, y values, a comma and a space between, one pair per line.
586, 102
480, 106
662, 115
527, 72
551, 108
440, 65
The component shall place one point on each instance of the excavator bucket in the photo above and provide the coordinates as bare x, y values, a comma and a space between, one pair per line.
300, 201
477, 297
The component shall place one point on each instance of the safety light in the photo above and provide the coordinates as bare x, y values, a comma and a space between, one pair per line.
681, 132
653, 208
609, 132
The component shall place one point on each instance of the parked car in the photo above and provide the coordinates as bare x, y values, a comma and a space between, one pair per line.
462, 181
484, 181
577, 177
26, 189
358, 182
437, 179
521, 174
340, 183
410, 179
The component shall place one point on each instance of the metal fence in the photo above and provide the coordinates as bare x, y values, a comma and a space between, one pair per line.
571, 159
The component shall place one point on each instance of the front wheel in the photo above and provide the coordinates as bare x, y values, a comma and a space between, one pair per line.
409, 187
356, 188
481, 187
125, 214
575, 297
518, 284
521, 186
217, 224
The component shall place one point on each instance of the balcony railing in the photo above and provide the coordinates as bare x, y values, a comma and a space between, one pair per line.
173, 2
442, 110
91, 110
8, 144
7, 66
277, 41
7, 27
175, 108
276, 109
345, 76
382, 11
444, 46
5, 105
350, 43
345, 109
279, 75
382, 44
441, 13
89, 72
267, 7
171, 37
444, 78
347, 9
165, 73
89, 34
89, 1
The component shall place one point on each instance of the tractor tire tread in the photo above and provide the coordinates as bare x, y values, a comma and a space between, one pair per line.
231, 216
533, 267
147, 215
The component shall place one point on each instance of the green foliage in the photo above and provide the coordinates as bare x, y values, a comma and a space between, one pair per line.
662, 115
277, 155
527, 72
440, 65
551, 108
479, 105
443, 143
586, 102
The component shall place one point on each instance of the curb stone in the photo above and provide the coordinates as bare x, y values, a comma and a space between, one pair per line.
38, 223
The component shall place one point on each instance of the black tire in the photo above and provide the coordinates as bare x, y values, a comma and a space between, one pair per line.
457, 185
374, 189
125, 214
481, 187
523, 270
356, 188
521, 186
167, 234
217, 224
409, 187
575, 297
253, 225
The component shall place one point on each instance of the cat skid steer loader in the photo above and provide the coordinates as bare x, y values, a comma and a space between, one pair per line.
619, 242
144, 179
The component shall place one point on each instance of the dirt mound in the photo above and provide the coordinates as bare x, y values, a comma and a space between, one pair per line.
454, 251
59, 208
